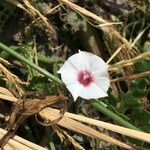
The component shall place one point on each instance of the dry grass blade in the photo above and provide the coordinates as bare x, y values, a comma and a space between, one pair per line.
19, 143
16, 3
12, 78
59, 131
122, 130
35, 11
80, 128
143, 74
124, 63
8, 98
6, 92
114, 54
139, 36
108, 29
3, 61
71, 124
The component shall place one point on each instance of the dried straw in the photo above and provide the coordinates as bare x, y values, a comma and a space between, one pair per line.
129, 62
31, 10
68, 121
122, 130
19, 143
12, 78
76, 126
108, 29
134, 76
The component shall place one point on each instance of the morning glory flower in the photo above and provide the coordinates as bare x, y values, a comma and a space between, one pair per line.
85, 75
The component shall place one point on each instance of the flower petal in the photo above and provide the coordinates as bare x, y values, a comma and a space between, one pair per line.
102, 83
84, 60
91, 62
68, 73
68, 77
75, 61
92, 92
67, 67
75, 88
101, 72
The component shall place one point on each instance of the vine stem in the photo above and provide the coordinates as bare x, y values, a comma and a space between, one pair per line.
102, 108
26, 61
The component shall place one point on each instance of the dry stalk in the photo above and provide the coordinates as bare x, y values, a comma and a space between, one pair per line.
59, 133
76, 126
48, 13
73, 125
76, 145
18, 4
8, 98
129, 62
108, 29
18, 143
35, 12
31, 10
22, 109
122, 130
3, 61
6, 92
12, 78
139, 75
114, 54
81, 128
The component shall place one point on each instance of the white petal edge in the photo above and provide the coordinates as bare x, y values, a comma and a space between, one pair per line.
91, 61
68, 77
102, 72
75, 88
75, 60
67, 67
92, 92
103, 83
68, 73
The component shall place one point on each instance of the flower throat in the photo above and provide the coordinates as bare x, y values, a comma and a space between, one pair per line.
85, 78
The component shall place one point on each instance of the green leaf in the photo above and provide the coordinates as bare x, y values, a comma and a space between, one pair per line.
117, 112
39, 84
140, 87
128, 102
142, 118
42, 84
26, 51
142, 65
146, 46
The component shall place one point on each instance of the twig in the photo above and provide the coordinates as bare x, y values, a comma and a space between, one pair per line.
8, 98
114, 54
147, 73
122, 130
26, 61
99, 19
20, 143
115, 128
124, 63
76, 126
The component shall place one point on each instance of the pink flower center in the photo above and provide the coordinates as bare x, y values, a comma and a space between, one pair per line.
85, 78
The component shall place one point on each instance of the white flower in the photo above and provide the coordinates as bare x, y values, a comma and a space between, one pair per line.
85, 75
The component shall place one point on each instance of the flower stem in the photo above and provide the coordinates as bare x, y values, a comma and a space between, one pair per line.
26, 61
49, 61
98, 105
